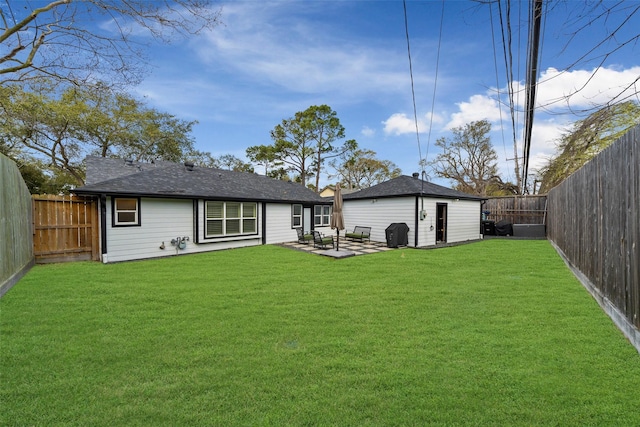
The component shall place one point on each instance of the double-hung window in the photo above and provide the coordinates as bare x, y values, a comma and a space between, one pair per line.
230, 219
126, 212
296, 216
321, 215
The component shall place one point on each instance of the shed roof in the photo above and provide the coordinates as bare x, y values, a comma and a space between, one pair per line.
165, 179
405, 185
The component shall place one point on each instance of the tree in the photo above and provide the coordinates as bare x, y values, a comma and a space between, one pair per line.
62, 130
121, 126
293, 145
305, 141
586, 139
38, 176
614, 21
233, 163
73, 41
202, 159
265, 155
359, 168
324, 128
497, 187
44, 127
468, 159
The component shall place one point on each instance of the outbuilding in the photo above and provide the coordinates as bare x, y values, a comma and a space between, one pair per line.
435, 214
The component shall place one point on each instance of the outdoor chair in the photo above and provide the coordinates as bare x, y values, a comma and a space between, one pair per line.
322, 242
302, 237
359, 233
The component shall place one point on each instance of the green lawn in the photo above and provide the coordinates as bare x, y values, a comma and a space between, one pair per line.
491, 333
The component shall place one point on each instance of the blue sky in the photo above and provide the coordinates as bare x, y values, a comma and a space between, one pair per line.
271, 59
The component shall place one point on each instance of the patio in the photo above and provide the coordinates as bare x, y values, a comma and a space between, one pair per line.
348, 248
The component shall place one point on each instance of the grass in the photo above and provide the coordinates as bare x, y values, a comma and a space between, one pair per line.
492, 333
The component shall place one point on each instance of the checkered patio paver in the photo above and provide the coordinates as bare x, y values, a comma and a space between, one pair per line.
358, 248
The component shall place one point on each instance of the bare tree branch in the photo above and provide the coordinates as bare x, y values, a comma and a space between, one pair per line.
76, 41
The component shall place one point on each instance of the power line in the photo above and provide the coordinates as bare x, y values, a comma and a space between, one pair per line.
413, 93
495, 64
435, 82
533, 46
505, 28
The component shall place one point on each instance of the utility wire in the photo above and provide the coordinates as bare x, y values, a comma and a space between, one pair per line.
435, 82
413, 93
495, 64
531, 82
505, 28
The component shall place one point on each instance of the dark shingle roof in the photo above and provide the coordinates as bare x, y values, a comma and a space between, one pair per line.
408, 186
102, 168
114, 177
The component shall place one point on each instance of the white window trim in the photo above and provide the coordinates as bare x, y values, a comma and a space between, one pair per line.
224, 219
324, 217
116, 211
294, 216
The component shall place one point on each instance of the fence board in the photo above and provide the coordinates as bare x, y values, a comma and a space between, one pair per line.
65, 228
16, 250
517, 209
594, 218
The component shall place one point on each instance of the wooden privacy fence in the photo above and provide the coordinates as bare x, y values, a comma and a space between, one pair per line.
65, 228
517, 209
594, 218
16, 250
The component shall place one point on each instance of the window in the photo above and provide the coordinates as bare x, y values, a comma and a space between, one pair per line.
126, 212
296, 216
321, 215
230, 219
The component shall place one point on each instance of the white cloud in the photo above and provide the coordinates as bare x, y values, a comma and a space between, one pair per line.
560, 93
304, 57
400, 124
582, 89
367, 131
546, 133
437, 118
479, 107
570, 91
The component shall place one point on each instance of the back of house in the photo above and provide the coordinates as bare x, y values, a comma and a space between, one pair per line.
158, 209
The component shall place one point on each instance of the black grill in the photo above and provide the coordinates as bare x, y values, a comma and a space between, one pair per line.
397, 235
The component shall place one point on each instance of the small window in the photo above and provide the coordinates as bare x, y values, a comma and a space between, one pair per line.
126, 212
296, 216
322, 215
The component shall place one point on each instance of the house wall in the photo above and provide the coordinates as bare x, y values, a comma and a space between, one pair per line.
464, 221
279, 224
463, 218
160, 221
427, 226
379, 214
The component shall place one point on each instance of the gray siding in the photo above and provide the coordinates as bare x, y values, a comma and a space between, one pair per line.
463, 218
163, 220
